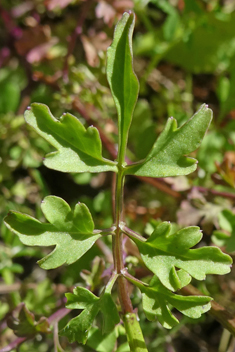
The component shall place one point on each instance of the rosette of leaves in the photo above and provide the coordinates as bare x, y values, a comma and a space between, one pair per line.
169, 256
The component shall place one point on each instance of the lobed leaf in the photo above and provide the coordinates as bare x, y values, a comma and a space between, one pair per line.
121, 77
163, 252
71, 232
157, 301
78, 328
167, 156
81, 298
78, 149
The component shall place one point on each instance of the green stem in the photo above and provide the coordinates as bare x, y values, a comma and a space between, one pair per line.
117, 240
134, 333
130, 233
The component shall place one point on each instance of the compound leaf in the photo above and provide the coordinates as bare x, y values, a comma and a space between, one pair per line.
71, 232
78, 328
163, 252
121, 77
78, 149
167, 156
157, 301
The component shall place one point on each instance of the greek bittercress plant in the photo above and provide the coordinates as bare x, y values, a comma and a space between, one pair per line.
167, 255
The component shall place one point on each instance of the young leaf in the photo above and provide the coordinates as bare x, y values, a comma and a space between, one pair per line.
78, 149
163, 252
77, 329
121, 77
167, 156
71, 232
157, 301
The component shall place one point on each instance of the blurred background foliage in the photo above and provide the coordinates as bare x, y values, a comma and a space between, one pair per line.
54, 52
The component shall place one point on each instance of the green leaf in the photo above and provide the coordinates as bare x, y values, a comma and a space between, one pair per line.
121, 77
77, 329
167, 157
157, 301
101, 342
109, 311
163, 252
81, 298
71, 232
78, 149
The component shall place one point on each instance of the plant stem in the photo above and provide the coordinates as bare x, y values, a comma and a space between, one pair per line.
117, 245
130, 233
118, 213
134, 334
